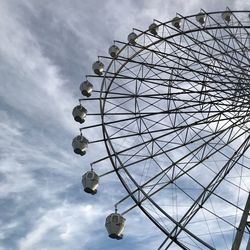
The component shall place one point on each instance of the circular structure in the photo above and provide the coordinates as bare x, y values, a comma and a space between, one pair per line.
174, 108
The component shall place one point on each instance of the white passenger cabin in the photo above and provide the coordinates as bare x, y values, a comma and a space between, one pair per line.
79, 113
90, 182
115, 224
98, 67
176, 22
132, 38
86, 88
113, 51
227, 16
201, 18
153, 28
80, 145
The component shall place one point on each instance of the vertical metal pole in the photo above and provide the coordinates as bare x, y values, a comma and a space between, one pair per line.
248, 244
240, 229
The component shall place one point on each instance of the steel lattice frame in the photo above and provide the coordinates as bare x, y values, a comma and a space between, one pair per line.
175, 121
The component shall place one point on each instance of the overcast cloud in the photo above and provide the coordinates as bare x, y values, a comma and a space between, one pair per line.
46, 49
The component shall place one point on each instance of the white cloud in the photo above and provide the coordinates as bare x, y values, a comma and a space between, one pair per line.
32, 83
39, 172
67, 227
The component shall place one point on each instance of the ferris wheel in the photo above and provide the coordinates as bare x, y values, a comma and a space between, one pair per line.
171, 106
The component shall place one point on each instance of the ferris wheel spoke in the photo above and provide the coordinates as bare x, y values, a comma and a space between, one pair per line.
193, 53
211, 56
232, 34
208, 75
157, 138
203, 207
192, 179
190, 59
173, 131
144, 133
221, 41
215, 102
205, 67
182, 172
169, 217
146, 184
132, 118
215, 90
211, 187
157, 81
160, 39
161, 67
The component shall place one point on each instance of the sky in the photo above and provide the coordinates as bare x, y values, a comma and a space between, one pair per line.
46, 49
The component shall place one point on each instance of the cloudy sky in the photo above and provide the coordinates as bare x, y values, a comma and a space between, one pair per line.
46, 49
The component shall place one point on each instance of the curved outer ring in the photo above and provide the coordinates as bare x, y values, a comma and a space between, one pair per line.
108, 143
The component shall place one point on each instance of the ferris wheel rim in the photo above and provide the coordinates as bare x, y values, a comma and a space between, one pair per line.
104, 96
